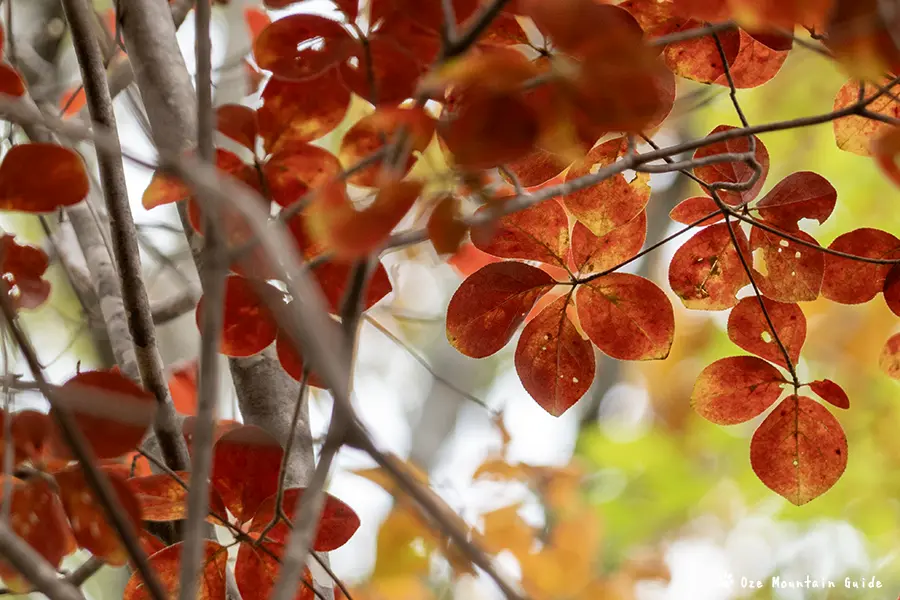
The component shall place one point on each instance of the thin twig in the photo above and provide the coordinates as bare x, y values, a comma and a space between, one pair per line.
27, 561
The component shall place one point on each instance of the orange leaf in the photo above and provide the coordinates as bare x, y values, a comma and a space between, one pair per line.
249, 326
889, 358
246, 463
183, 387
800, 450
37, 516
540, 232
592, 254
89, 523
693, 209
351, 233
612, 202
257, 19
699, 59
161, 498
167, 564
626, 316
38, 178
23, 268
736, 389
238, 123
256, 571
301, 46
333, 277
862, 39
734, 171
747, 327
338, 523
706, 272
469, 259
371, 132
852, 282
556, 365
394, 66
114, 422
445, 229
11, 82
301, 110
855, 133
291, 360
755, 64
489, 306
296, 168
785, 270
831, 392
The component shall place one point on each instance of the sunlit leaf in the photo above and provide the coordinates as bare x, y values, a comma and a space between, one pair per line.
167, 564
749, 329
706, 272
855, 133
785, 270
850, 281
733, 172
889, 358
555, 364
693, 209
592, 254
489, 306
736, 389
802, 195
800, 450
246, 463
256, 571
540, 232
831, 392
162, 498
301, 46
248, 325
297, 168
338, 523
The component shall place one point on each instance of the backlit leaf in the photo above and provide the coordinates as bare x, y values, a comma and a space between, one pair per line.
849, 281
785, 270
892, 289
248, 326
556, 365
162, 498
88, 518
748, 328
256, 572
23, 268
338, 524
612, 202
238, 123
592, 254
296, 168
246, 463
394, 67
802, 195
855, 133
489, 306
693, 209
889, 358
706, 272
167, 564
699, 59
755, 63
733, 171
831, 392
626, 316
800, 450
370, 133
301, 46
114, 422
39, 178
333, 277
540, 232
736, 389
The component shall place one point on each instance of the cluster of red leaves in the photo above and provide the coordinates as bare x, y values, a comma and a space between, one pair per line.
51, 505
243, 495
626, 316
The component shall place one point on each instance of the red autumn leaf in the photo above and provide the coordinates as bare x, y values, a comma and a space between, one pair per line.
238, 123
291, 360
736, 389
575, 25
333, 221
831, 392
802, 195
748, 328
23, 268
11, 83
755, 63
892, 289
37, 516
699, 59
706, 272
734, 171
556, 365
150, 543
31, 432
540, 232
333, 277
889, 358
88, 519
426, 15
248, 326
861, 35
395, 69
246, 463
469, 259
73, 101
39, 178
164, 189
112, 412
338, 523
537, 167
183, 387
162, 498
855, 133
445, 229
301, 46
371, 132
848, 281
785, 270
257, 570
693, 209
592, 254
800, 450
612, 202
296, 168
222, 427
301, 110
626, 316
885, 147
257, 19
167, 564
489, 306
504, 30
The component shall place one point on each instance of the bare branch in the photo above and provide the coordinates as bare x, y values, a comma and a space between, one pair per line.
34, 568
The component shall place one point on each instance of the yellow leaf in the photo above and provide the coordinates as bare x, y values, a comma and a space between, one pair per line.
504, 529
